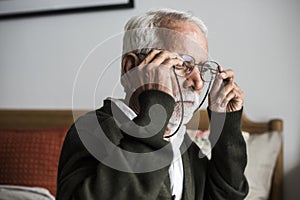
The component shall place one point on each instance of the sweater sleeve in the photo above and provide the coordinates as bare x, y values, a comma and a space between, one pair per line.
225, 172
82, 176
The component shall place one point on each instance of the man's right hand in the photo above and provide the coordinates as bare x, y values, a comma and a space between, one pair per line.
155, 72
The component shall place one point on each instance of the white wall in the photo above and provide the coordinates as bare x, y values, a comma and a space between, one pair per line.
40, 56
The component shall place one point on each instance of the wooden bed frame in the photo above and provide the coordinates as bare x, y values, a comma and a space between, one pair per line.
41, 119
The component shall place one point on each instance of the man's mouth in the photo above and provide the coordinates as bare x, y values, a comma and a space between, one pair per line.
185, 102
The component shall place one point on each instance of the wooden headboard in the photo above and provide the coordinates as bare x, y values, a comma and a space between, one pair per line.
41, 119
37, 119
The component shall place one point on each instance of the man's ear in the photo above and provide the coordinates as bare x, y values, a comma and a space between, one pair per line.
129, 61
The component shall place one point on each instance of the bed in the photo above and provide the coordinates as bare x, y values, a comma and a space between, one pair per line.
31, 140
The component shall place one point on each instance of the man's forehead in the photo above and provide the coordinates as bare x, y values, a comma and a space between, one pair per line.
181, 37
184, 41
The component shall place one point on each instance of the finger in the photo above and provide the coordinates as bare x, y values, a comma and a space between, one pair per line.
239, 93
220, 68
153, 53
216, 87
235, 97
226, 74
163, 56
228, 88
169, 64
160, 76
163, 67
158, 57
230, 96
172, 62
222, 80
165, 76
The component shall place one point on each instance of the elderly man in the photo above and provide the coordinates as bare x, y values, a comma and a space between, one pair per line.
137, 148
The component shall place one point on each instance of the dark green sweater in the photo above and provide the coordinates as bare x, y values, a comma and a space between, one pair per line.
82, 176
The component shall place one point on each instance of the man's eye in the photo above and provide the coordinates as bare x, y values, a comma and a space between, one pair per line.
188, 64
214, 71
179, 67
205, 69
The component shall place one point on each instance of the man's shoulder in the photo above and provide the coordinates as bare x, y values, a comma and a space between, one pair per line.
91, 120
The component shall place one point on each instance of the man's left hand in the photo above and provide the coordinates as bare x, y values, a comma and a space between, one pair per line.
225, 95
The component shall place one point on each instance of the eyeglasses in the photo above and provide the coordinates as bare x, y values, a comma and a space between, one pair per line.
208, 70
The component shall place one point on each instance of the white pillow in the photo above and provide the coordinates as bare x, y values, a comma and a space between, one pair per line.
14, 192
262, 151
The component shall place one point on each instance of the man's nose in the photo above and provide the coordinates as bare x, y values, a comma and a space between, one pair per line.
194, 81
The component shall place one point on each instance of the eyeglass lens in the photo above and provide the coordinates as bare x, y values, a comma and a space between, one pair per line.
208, 70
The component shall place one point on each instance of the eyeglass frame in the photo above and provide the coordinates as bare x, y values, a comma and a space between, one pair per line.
200, 68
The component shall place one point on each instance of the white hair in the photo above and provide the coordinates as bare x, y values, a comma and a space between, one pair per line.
141, 31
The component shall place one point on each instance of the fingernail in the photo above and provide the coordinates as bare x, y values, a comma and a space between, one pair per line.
223, 105
218, 100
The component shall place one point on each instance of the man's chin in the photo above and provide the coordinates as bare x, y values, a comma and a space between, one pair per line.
185, 120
